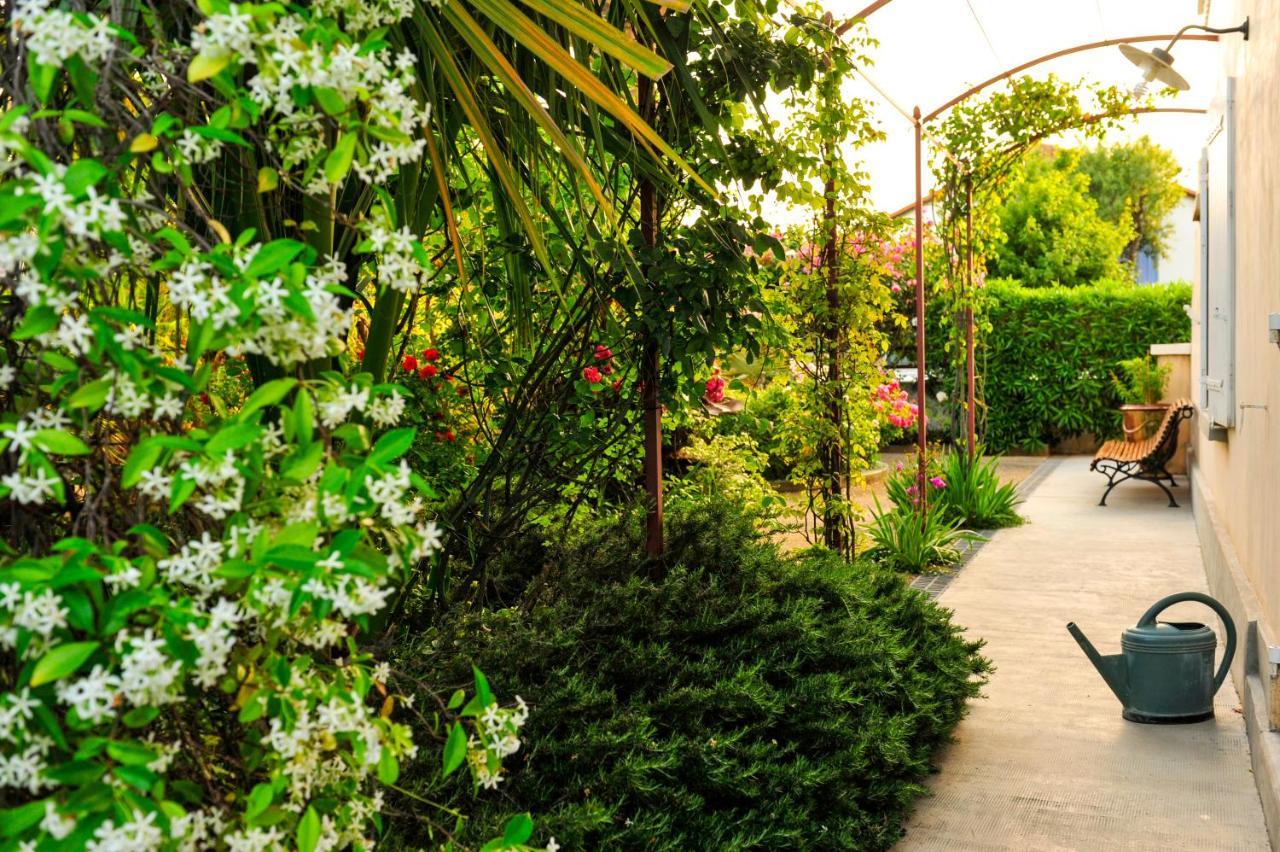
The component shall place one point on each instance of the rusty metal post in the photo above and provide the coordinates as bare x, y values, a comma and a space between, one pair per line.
969, 366
922, 438
650, 366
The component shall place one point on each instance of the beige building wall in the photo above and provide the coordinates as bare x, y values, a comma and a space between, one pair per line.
1242, 474
1236, 482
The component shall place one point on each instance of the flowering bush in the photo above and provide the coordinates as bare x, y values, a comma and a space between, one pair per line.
183, 595
892, 403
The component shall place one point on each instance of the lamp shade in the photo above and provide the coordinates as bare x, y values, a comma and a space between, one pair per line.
1156, 64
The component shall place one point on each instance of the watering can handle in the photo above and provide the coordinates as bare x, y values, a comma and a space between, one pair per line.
1164, 603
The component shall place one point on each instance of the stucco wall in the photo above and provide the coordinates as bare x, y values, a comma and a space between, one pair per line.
1242, 475
1181, 260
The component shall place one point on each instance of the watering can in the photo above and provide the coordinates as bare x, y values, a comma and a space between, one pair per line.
1165, 674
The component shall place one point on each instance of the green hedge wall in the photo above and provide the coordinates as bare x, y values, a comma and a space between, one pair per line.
1051, 351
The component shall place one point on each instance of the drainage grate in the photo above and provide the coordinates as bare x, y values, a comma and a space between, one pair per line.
934, 585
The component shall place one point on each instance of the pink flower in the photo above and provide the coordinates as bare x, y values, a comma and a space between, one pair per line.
898, 467
897, 288
715, 388
937, 482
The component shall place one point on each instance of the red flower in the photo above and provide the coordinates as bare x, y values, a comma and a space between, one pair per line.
603, 353
409, 363
607, 369
431, 354
617, 385
591, 374
715, 388
428, 371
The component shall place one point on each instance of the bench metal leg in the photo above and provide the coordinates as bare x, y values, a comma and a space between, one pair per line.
1123, 473
1173, 504
1115, 474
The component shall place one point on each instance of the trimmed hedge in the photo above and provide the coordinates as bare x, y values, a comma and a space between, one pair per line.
741, 699
1050, 353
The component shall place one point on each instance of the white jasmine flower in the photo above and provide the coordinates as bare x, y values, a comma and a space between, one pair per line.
20, 437
92, 696
54, 824
35, 488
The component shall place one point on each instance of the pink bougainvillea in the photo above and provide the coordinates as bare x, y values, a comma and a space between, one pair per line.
890, 401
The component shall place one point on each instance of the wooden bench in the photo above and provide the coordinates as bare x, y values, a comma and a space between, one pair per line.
1122, 460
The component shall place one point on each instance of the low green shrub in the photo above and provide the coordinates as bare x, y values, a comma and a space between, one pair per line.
736, 699
1050, 353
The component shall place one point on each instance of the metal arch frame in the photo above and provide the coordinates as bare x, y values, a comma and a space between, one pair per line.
918, 120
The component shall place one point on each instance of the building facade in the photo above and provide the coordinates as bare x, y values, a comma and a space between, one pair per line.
1235, 455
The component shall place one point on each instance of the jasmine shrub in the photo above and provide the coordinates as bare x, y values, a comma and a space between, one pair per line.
192, 560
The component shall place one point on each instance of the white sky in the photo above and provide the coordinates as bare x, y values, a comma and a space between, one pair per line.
932, 50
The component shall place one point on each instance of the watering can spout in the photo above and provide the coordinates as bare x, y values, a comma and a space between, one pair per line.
1112, 668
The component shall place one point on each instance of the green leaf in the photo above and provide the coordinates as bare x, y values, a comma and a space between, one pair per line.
330, 100
272, 257
232, 437
308, 830
140, 717
259, 799
518, 829
60, 443
41, 77
91, 396
83, 174
62, 661
14, 821
36, 322
136, 776
304, 420
455, 749
142, 457
304, 463
338, 162
268, 179
392, 445
388, 767
207, 63
130, 754
183, 488
269, 394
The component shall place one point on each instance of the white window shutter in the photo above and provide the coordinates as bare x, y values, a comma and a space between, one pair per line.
1218, 269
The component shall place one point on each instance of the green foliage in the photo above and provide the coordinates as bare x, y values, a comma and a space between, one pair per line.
737, 700
974, 495
729, 466
1052, 232
905, 541
764, 418
1141, 381
1050, 353
1136, 181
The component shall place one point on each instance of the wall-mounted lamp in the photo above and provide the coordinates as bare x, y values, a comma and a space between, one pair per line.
1157, 64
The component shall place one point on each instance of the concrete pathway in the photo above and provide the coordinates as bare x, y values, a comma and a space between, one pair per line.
1044, 760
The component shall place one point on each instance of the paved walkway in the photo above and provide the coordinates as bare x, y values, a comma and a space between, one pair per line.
1044, 761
